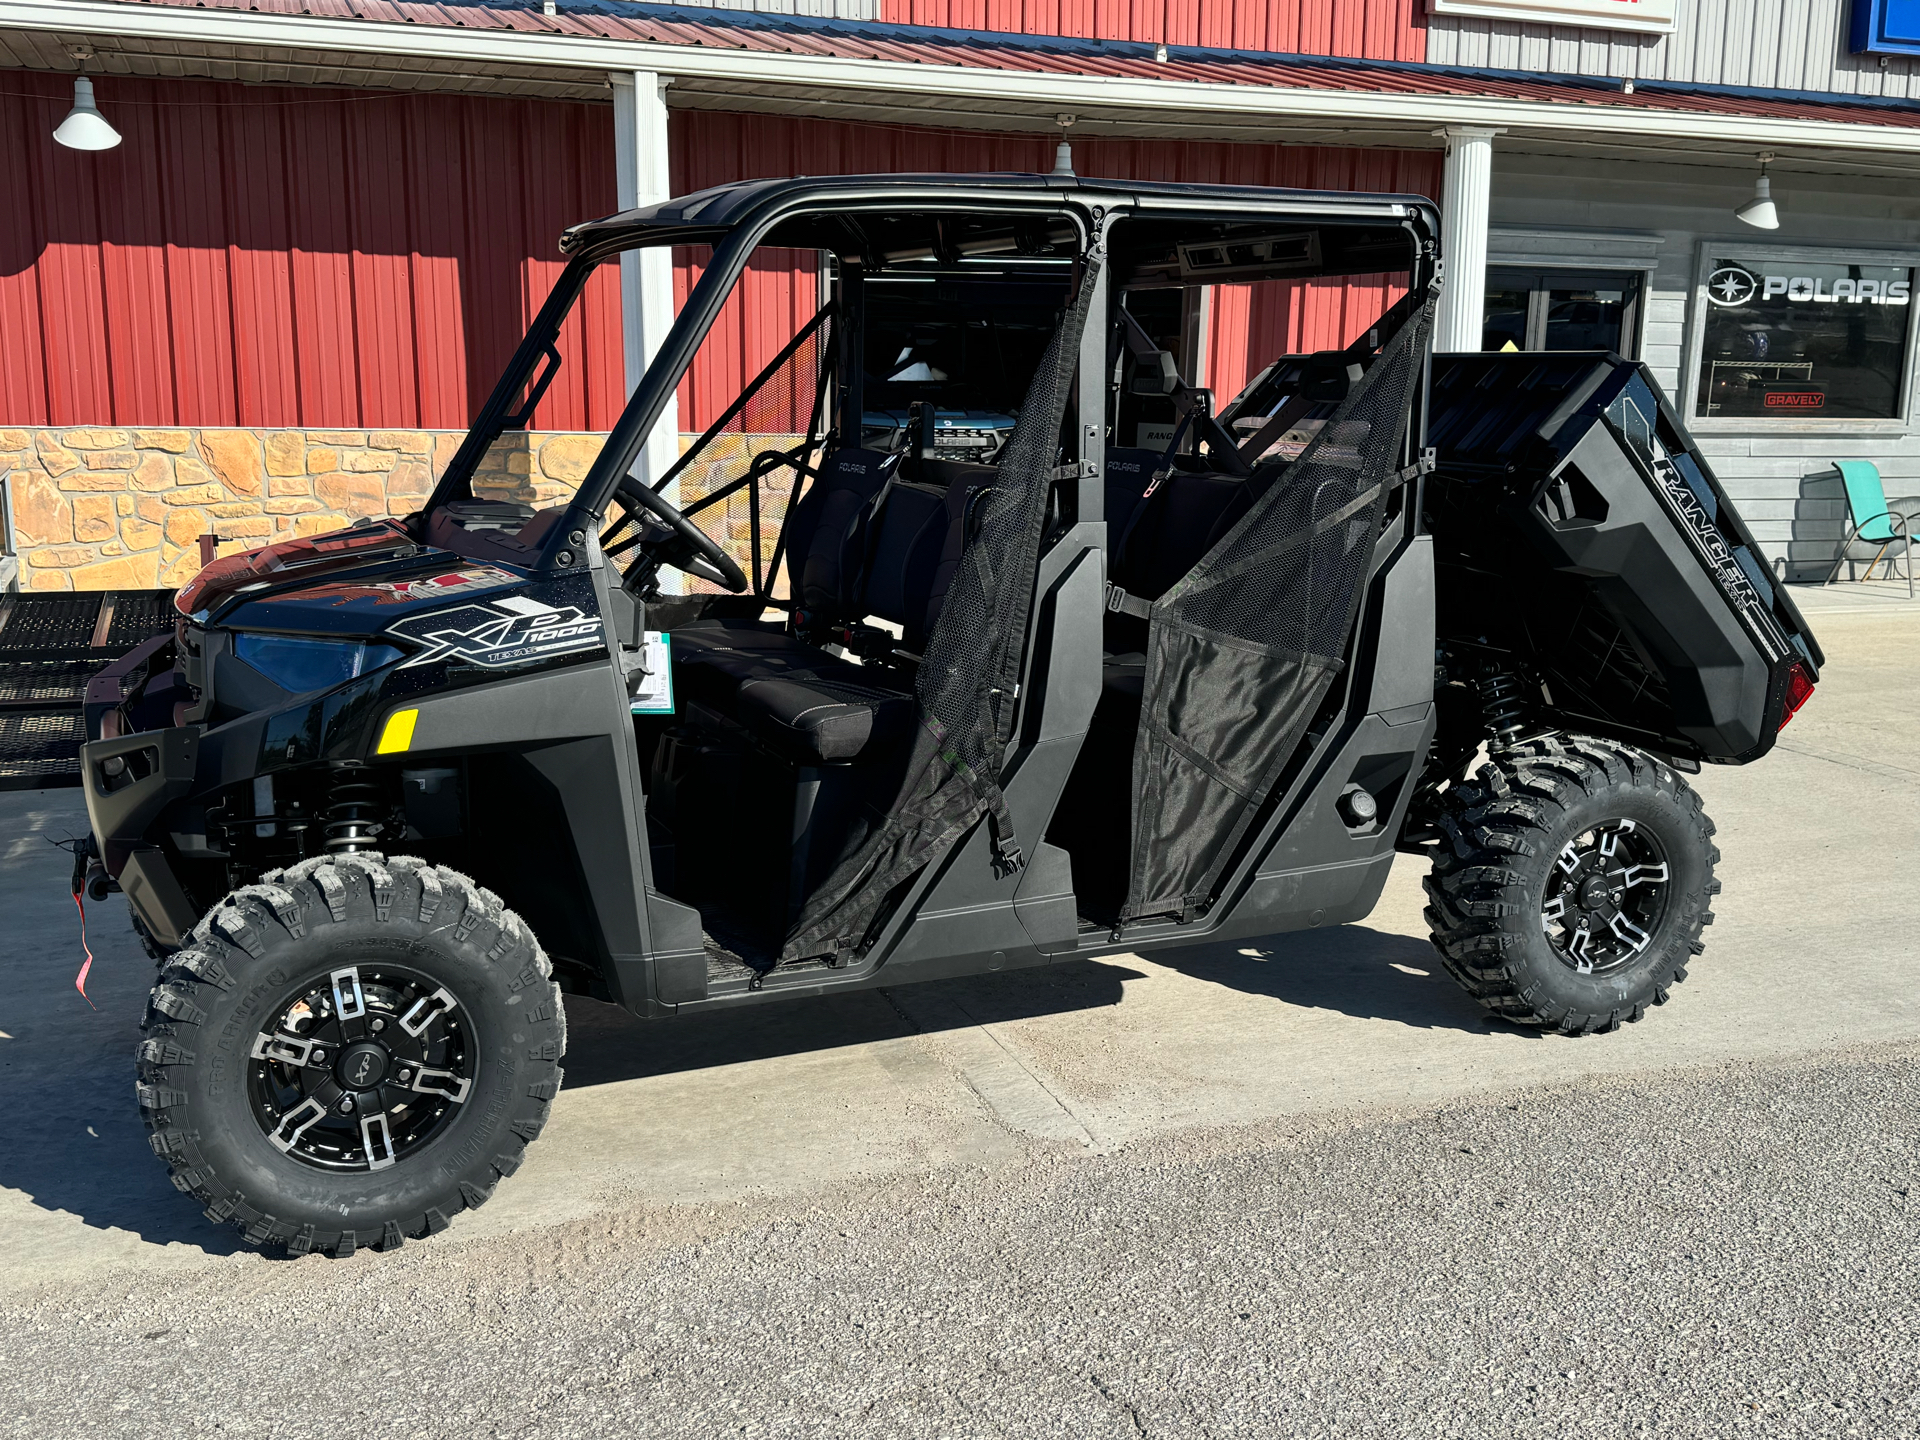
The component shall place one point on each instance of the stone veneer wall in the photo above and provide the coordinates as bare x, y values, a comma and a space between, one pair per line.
118, 508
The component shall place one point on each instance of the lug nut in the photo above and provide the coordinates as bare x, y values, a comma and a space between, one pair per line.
346, 1105
405, 1075
318, 1056
379, 1025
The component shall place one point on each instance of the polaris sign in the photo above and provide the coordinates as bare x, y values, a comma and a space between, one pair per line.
1732, 285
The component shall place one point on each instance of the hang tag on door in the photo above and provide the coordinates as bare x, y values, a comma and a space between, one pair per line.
655, 693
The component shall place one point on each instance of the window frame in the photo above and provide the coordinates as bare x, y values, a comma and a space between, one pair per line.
1633, 322
1693, 355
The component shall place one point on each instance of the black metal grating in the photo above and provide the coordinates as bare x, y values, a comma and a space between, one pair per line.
40, 748
138, 615
47, 657
51, 622
44, 684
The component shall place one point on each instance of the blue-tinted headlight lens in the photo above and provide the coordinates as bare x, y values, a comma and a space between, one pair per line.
300, 665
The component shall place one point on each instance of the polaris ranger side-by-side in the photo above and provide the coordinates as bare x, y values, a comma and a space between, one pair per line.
1017, 645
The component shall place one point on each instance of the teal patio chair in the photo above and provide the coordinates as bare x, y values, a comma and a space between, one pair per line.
1872, 523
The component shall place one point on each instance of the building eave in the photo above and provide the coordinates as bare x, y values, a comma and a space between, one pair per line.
974, 96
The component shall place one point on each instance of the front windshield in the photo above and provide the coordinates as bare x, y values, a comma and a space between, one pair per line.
922, 347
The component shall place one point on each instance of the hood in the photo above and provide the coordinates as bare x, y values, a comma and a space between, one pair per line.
369, 603
273, 567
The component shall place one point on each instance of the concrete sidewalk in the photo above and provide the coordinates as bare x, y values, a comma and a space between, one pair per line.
1813, 950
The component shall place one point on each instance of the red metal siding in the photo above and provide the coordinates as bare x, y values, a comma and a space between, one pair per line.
268, 257
335, 259
1364, 29
1250, 324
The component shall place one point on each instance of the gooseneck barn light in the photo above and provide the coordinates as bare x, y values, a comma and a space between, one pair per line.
1759, 212
85, 128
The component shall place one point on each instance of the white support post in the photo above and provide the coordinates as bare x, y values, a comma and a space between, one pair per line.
646, 276
1464, 206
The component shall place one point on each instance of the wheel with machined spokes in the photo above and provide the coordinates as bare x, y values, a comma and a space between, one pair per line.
349, 1053
363, 1067
1606, 896
1571, 883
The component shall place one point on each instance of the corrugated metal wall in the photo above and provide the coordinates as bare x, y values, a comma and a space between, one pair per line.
1773, 44
1373, 29
287, 257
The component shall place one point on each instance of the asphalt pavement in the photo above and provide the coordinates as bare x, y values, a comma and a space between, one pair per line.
1296, 1187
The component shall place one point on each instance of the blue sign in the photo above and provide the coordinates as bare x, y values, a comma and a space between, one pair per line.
1886, 27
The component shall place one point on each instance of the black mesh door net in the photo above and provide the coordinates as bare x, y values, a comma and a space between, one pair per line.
968, 676
1241, 651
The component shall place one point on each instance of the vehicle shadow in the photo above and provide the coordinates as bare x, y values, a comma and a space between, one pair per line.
1355, 970
1373, 975
71, 1138
605, 1044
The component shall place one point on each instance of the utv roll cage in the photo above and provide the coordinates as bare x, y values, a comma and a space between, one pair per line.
829, 214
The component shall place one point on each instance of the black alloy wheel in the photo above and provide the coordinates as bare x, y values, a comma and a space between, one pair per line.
362, 1066
349, 1053
1572, 879
1606, 896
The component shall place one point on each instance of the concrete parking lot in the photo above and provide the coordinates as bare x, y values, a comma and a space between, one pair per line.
1295, 1187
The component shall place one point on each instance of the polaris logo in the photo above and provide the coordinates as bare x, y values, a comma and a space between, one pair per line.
514, 630
1734, 285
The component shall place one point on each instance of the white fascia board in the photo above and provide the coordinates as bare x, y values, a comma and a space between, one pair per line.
1048, 90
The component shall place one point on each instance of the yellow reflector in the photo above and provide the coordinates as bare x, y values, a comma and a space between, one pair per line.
399, 732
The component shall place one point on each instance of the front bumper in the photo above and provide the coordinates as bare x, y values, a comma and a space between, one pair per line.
129, 780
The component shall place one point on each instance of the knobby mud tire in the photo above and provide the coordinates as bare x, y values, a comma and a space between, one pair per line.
215, 995
1501, 830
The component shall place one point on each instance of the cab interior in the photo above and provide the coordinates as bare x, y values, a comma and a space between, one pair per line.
794, 702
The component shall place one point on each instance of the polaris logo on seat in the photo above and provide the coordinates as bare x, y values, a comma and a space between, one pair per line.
514, 630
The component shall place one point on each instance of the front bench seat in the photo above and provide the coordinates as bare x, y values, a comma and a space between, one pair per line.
803, 704
800, 702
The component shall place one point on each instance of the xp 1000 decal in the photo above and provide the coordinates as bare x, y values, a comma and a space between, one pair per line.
514, 630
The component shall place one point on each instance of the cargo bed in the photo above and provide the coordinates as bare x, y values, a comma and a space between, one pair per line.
1582, 541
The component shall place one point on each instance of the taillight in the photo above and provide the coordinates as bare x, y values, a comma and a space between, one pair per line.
1800, 687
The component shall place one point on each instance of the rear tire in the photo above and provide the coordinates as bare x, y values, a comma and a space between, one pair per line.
349, 1053
1545, 830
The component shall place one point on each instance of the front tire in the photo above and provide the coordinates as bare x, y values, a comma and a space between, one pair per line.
349, 1053
1571, 883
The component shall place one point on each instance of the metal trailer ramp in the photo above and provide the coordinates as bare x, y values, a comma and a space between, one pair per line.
51, 646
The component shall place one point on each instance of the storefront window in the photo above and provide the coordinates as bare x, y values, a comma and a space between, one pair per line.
1803, 338
1560, 310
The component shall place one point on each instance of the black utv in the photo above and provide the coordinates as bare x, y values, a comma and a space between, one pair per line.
971, 634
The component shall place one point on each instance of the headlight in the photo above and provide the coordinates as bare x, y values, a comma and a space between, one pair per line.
296, 664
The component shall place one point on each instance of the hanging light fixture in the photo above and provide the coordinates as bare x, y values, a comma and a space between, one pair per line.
1064, 152
85, 128
1759, 212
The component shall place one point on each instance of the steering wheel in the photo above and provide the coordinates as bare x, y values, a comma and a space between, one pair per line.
685, 546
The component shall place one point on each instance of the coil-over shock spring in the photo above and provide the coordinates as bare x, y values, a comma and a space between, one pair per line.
1503, 705
355, 812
